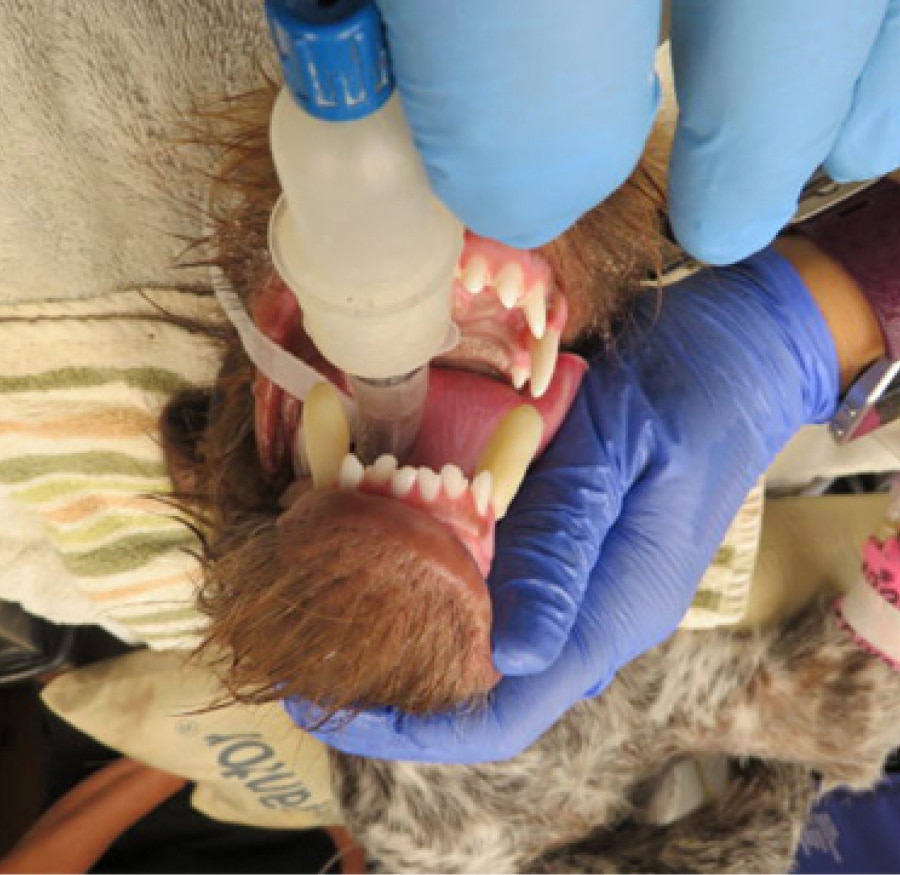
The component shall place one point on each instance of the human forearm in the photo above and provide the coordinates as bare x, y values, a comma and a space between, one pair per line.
857, 336
75, 832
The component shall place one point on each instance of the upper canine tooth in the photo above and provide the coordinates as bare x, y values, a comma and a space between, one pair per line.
429, 484
544, 353
455, 483
326, 434
403, 481
510, 450
481, 491
535, 308
475, 274
510, 284
352, 471
383, 469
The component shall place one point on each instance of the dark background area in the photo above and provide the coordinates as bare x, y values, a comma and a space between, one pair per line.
42, 757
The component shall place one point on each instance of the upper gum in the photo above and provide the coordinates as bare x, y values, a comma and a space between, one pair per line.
498, 256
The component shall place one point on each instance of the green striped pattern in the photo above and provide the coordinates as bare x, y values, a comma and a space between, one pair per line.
22, 469
724, 592
150, 379
81, 387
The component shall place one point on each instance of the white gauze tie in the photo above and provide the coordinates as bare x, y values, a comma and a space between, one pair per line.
292, 374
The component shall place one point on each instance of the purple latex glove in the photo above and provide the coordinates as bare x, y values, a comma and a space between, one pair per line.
604, 546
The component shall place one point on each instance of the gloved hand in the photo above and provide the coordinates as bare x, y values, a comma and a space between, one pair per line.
529, 112
603, 548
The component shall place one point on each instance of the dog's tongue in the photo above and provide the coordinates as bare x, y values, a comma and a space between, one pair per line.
467, 414
463, 410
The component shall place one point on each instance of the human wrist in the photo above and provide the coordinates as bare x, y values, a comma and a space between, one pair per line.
862, 234
852, 323
757, 325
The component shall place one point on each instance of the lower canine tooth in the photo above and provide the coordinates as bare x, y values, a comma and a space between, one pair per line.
403, 481
509, 452
544, 353
325, 434
509, 284
455, 483
481, 492
351, 472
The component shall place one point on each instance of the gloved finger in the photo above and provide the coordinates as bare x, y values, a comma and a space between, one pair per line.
547, 545
649, 569
869, 142
763, 90
526, 112
500, 729
464, 737
373, 733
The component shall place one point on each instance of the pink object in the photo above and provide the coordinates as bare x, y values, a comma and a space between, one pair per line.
881, 569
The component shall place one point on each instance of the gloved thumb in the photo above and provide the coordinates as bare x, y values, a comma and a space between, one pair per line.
650, 566
547, 546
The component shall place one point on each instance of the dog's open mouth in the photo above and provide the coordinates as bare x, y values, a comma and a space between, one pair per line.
351, 586
493, 404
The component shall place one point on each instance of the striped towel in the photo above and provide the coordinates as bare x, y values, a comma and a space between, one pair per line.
86, 537
723, 596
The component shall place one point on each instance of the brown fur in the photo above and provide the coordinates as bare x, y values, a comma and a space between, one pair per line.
346, 625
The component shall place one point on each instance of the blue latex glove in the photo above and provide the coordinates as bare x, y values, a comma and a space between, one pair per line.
769, 90
604, 546
529, 112
526, 112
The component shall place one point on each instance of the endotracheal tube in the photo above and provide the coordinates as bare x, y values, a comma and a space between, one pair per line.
358, 235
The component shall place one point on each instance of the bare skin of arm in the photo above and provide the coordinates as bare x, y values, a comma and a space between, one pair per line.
75, 832
855, 330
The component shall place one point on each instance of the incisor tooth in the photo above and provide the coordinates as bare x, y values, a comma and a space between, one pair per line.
326, 434
509, 452
403, 481
383, 469
510, 283
481, 492
475, 274
429, 484
535, 308
455, 483
519, 375
544, 353
352, 471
